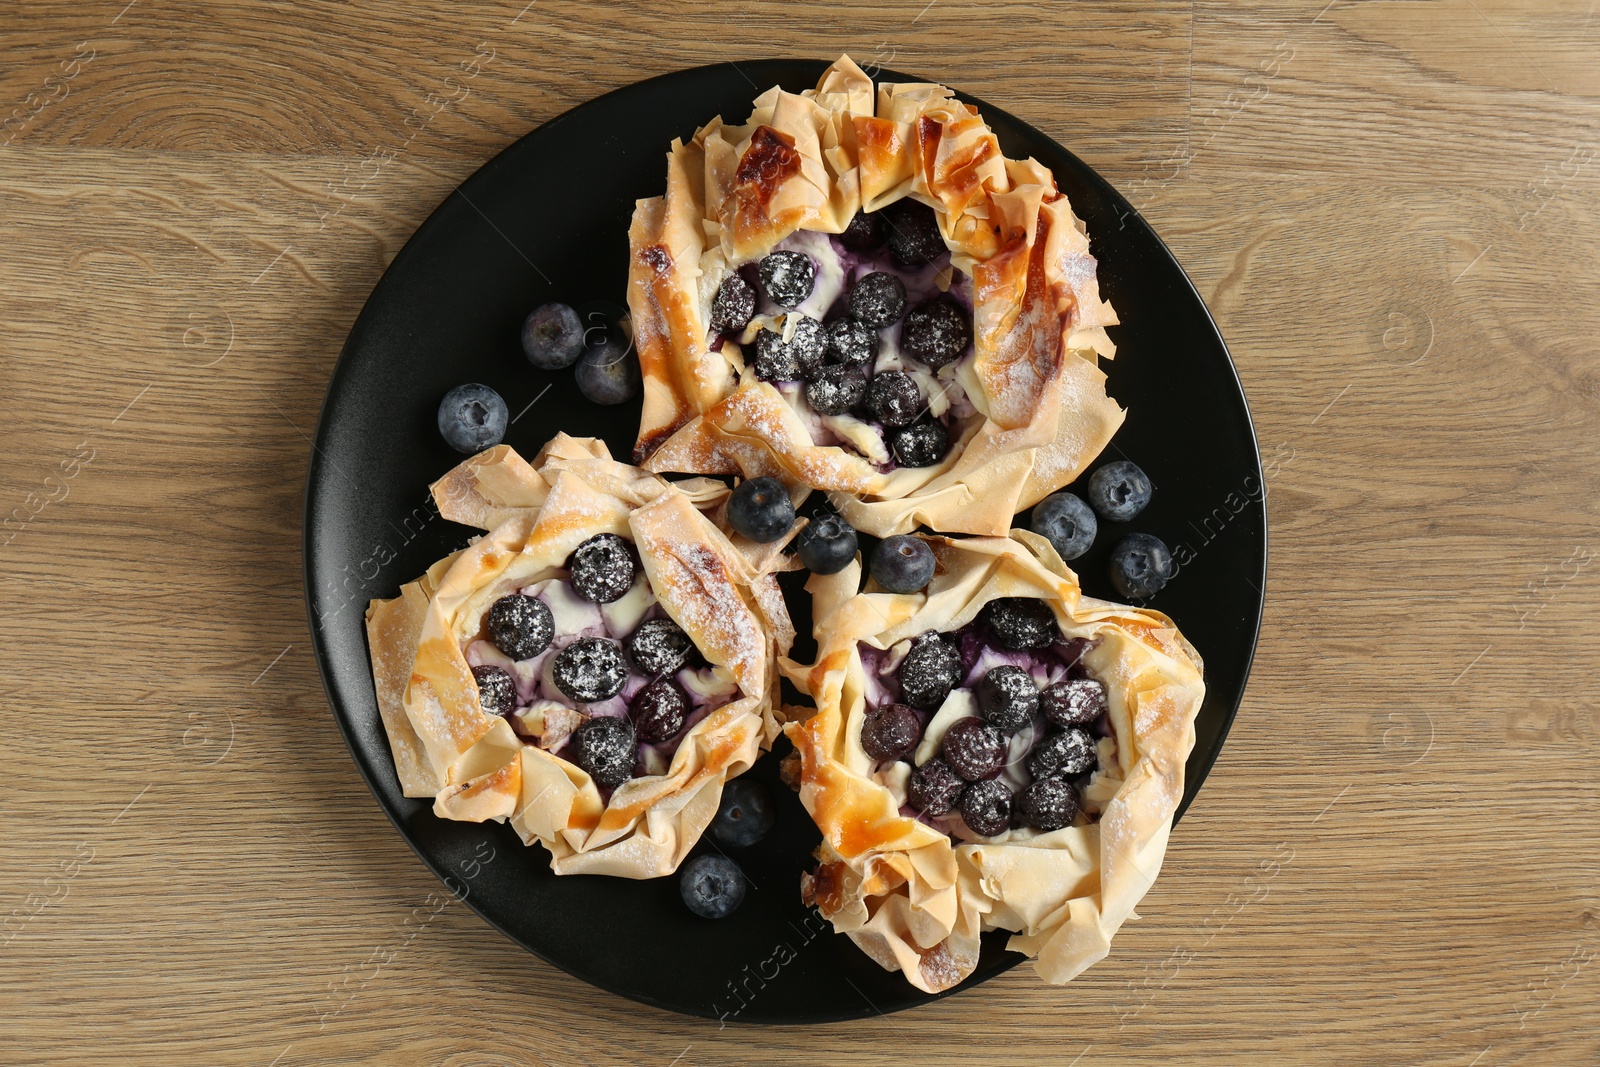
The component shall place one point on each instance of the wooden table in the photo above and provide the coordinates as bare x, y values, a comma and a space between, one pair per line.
1390, 208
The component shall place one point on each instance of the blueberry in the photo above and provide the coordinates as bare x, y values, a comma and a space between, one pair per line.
1020, 622
893, 398
1140, 565
734, 305
864, 232
973, 748
1048, 804
1119, 491
878, 300
850, 342
609, 372
497, 690
890, 732
745, 814
836, 388
826, 545
936, 333
659, 646
914, 237
761, 510
472, 417
934, 788
922, 444
986, 807
552, 337
929, 671
520, 626
1073, 701
778, 360
1067, 523
601, 569
787, 277
1008, 698
712, 886
902, 564
658, 711
1065, 754
605, 748
590, 669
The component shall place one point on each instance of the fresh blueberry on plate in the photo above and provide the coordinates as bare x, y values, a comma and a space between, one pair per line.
472, 417
1141, 564
1067, 523
1119, 490
761, 510
552, 337
745, 815
608, 373
902, 564
826, 545
712, 886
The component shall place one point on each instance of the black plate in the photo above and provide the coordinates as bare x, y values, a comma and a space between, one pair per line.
547, 219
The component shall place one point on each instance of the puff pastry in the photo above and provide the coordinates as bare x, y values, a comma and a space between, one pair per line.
1022, 412
519, 766
916, 892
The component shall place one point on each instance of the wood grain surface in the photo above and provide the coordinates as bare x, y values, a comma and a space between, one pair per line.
1390, 208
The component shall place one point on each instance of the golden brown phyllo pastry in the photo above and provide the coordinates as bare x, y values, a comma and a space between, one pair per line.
594, 668
997, 752
856, 291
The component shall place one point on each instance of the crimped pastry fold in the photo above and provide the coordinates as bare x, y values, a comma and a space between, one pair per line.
473, 763
911, 897
806, 163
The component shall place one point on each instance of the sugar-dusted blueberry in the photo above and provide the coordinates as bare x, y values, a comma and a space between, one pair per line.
902, 563
745, 814
605, 747
931, 668
1140, 565
659, 646
734, 305
787, 277
986, 807
914, 237
1073, 701
590, 669
658, 711
934, 788
922, 444
472, 417
1048, 804
602, 568
1064, 754
936, 333
761, 510
1119, 490
1066, 522
894, 399
1020, 622
973, 748
836, 388
865, 231
827, 544
521, 626
852, 343
1008, 698
711, 886
778, 360
497, 690
877, 300
552, 337
890, 732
